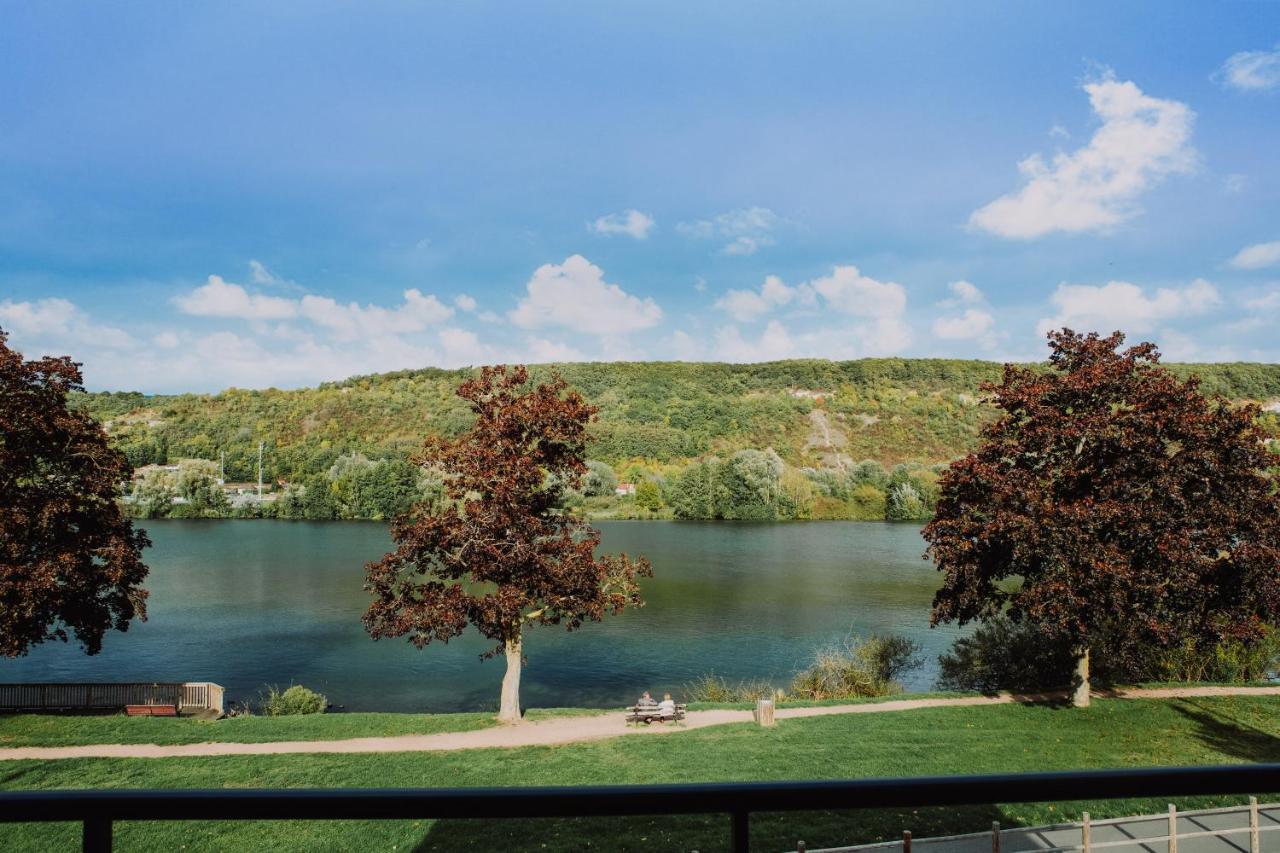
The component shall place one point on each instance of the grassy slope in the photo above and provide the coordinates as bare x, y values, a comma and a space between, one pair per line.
891, 410
1113, 733
49, 730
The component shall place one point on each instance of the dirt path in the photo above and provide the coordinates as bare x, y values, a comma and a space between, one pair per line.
560, 730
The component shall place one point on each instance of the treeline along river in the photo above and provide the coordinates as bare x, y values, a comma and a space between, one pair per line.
248, 603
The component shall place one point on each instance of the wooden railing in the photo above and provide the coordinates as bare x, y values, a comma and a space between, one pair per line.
188, 695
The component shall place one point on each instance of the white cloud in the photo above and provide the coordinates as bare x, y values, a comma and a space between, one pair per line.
166, 340
632, 223
351, 321
848, 290
1257, 256
227, 300
219, 298
963, 293
53, 326
1252, 70
973, 325
1142, 139
748, 305
1235, 183
1127, 307
464, 303
775, 343
845, 291
1269, 301
576, 296
746, 229
260, 274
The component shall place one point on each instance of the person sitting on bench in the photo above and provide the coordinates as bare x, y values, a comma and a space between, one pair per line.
667, 707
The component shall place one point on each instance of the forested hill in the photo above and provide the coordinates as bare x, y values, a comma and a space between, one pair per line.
812, 412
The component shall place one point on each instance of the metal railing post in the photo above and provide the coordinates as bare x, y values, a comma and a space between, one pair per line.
97, 835
741, 838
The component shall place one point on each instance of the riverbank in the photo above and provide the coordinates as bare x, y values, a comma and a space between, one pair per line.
1011, 737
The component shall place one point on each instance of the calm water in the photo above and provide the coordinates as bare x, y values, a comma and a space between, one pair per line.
247, 603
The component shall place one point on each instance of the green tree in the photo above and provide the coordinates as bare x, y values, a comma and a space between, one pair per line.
600, 480
648, 496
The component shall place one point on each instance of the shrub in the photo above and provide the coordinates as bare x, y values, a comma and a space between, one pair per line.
1005, 655
858, 667
295, 700
599, 481
906, 504
867, 503
715, 688
1230, 660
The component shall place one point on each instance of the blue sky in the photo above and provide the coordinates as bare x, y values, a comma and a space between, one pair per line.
195, 196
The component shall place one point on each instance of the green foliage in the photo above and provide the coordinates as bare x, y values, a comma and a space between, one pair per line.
1005, 655
600, 480
1230, 660
889, 411
716, 688
858, 667
295, 700
648, 496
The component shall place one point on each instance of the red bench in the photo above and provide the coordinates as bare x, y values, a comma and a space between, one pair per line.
151, 710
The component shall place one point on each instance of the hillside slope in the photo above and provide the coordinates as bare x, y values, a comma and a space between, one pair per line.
813, 412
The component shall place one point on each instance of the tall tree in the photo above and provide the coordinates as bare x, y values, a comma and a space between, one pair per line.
70, 563
498, 554
1111, 500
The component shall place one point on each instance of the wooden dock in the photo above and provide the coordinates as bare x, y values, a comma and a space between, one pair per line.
189, 697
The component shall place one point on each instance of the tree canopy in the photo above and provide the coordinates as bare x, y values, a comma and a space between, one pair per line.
70, 563
1111, 500
498, 553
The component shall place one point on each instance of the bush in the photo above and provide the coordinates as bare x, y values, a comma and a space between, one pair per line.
715, 688
1230, 660
1005, 655
867, 503
293, 701
858, 668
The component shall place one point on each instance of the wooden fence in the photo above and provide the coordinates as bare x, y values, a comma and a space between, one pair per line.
187, 696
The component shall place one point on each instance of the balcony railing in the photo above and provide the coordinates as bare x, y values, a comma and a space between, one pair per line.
98, 810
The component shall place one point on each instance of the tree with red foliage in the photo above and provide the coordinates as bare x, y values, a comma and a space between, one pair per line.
499, 554
1111, 500
70, 563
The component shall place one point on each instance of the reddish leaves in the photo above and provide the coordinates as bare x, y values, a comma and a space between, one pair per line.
500, 554
1130, 505
69, 561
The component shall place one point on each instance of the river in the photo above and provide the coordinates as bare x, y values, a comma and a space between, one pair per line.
249, 603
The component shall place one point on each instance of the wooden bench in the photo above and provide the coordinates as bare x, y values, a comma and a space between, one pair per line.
650, 713
151, 710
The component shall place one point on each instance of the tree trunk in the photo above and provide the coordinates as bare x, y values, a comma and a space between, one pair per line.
1080, 698
509, 711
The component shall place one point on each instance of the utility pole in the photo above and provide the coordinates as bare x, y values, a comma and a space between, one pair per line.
259, 472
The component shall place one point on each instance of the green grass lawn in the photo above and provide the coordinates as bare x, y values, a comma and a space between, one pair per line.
1003, 738
55, 730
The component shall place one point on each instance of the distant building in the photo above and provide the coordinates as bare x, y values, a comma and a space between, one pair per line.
625, 489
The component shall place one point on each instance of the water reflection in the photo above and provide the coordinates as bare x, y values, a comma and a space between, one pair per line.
247, 603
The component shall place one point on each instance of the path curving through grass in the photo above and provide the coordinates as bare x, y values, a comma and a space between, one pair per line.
574, 729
